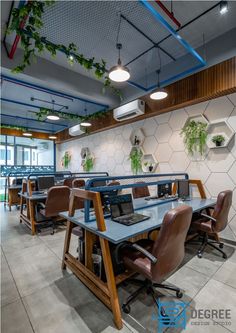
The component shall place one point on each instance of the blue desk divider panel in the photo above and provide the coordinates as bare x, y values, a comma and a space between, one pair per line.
127, 182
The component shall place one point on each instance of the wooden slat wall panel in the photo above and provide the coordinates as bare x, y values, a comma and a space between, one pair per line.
37, 135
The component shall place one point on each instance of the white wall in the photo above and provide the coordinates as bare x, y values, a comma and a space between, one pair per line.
217, 169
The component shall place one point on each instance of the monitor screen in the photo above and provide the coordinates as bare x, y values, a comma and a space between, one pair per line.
121, 205
164, 190
183, 188
45, 183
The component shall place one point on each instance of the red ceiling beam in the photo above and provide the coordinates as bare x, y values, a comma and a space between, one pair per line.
168, 13
17, 38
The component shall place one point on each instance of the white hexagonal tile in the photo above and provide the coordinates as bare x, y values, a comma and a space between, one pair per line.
163, 168
110, 164
218, 182
176, 141
118, 142
198, 170
126, 132
163, 152
232, 98
232, 213
219, 160
219, 108
150, 144
178, 119
234, 199
232, 119
119, 170
149, 126
179, 161
196, 109
163, 118
163, 133
232, 172
138, 124
126, 148
119, 156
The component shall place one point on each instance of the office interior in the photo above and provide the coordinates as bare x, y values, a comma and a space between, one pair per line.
118, 166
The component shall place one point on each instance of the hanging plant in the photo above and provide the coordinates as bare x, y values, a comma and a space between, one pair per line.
135, 157
88, 163
43, 113
18, 128
32, 42
195, 136
65, 161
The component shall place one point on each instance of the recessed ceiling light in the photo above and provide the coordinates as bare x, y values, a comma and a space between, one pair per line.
53, 116
85, 124
53, 137
223, 7
27, 134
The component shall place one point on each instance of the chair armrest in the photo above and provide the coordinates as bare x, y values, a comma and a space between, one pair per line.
41, 205
208, 217
147, 254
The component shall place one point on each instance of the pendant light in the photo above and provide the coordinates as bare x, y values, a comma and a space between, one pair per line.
52, 137
85, 123
119, 73
159, 93
52, 115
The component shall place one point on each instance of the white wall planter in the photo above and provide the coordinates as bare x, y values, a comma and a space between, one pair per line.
219, 128
137, 137
197, 117
147, 160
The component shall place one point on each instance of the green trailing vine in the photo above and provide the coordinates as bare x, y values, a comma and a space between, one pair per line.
44, 112
32, 42
195, 136
88, 164
66, 159
18, 128
135, 157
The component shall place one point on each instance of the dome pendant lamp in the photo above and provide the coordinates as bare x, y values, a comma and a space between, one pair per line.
119, 73
158, 93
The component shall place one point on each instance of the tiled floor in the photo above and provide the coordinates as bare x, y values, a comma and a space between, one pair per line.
36, 296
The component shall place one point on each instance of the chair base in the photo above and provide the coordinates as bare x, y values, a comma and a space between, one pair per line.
149, 287
205, 242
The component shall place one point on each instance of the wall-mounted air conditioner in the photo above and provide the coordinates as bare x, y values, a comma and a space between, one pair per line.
76, 130
129, 110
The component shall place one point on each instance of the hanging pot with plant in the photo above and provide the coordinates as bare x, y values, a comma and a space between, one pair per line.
218, 140
88, 163
195, 136
65, 161
135, 157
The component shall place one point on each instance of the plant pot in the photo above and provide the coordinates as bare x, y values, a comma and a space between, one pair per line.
218, 143
150, 168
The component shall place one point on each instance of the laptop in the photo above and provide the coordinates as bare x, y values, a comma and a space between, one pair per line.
183, 189
122, 210
45, 183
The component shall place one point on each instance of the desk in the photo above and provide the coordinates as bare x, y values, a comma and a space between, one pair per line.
13, 195
29, 217
115, 233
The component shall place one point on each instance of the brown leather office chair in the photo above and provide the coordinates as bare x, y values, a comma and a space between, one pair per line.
140, 192
78, 183
209, 225
57, 201
113, 183
68, 182
157, 260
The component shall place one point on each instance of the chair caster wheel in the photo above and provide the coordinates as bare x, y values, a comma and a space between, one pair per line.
179, 294
126, 308
221, 245
199, 255
225, 256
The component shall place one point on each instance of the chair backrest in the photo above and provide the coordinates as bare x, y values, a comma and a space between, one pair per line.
114, 183
78, 183
169, 246
140, 192
57, 200
68, 181
221, 211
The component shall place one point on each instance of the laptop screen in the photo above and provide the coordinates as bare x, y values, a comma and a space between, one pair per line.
121, 205
164, 189
183, 188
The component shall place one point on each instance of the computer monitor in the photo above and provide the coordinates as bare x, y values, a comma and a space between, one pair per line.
99, 183
121, 205
183, 189
164, 190
45, 182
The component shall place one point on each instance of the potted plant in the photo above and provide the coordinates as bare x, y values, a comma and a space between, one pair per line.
88, 163
218, 140
149, 166
65, 161
195, 136
135, 157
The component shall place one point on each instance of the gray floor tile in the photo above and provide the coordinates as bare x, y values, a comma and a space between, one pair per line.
19, 242
9, 291
227, 274
34, 268
14, 319
67, 306
216, 295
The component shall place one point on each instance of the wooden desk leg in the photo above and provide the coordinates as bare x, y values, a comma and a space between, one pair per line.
32, 216
89, 241
69, 228
9, 200
111, 283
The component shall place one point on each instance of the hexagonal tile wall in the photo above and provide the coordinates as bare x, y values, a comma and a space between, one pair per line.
163, 152
177, 119
163, 133
176, 141
219, 108
150, 144
219, 160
